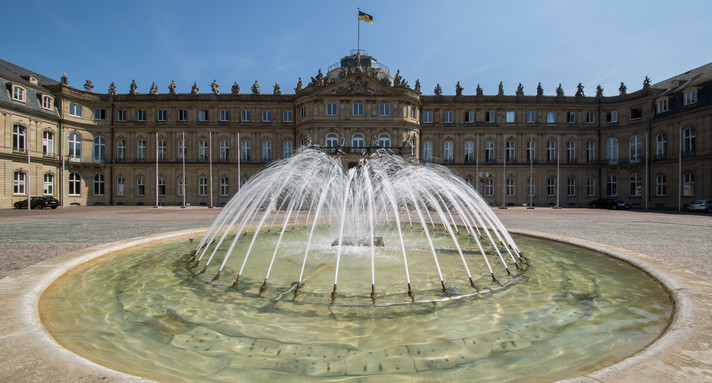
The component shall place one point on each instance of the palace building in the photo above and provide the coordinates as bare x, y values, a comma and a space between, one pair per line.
651, 147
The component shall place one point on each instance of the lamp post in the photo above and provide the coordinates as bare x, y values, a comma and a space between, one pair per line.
483, 176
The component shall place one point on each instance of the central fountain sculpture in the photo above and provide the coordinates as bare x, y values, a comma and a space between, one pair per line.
380, 207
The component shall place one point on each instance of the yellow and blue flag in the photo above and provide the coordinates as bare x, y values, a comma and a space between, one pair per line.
365, 17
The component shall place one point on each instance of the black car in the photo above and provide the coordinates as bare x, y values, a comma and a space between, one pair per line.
38, 203
608, 203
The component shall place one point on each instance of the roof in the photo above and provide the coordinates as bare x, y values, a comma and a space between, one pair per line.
693, 77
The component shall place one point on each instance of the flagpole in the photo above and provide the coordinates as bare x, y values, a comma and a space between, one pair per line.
358, 40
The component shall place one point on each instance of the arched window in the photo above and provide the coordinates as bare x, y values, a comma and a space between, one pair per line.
48, 184
18, 183
99, 149
689, 136
99, 184
447, 152
266, 151
358, 141
660, 146
75, 184
18, 138
120, 186
384, 140
75, 147
121, 151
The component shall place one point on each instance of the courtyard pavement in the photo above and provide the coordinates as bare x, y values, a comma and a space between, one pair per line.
672, 246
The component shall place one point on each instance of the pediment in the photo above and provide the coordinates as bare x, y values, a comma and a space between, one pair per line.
356, 84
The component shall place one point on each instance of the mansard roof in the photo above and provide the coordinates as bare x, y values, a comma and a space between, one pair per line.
691, 78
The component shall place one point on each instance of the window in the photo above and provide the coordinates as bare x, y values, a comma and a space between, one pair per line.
48, 184
509, 187
75, 147
447, 152
448, 117
509, 117
120, 186
161, 116
202, 150
224, 115
413, 113
489, 152
287, 149
162, 150
331, 109
551, 186
570, 117
245, 115
531, 188
551, 152
691, 96
99, 152
287, 116
99, 184
245, 151
332, 140
75, 184
550, 117
612, 116
489, 187
18, 183
18, 138
427, 151
140, 150
469, 152
571, 152
302, 112
612, 185
181, 186
224, 186
636, 186
509, 151
182, 115
203, 186
47, 102
660, 146
202, 115
571, 187
99, 114
384, 140
357, 110
384, 109
121, 151
140, 187
660, 186
662, 105
141, 115
612, 151
266, 116
636, 113
590, 187
635, 149
357, 141
688, 184
531, 117
469, 117
427, 117
161, 186
18, 93
266, 151
590, 117
689, 138
489, 117
531, 152
181, 150
121, 115
224, 155
590, 152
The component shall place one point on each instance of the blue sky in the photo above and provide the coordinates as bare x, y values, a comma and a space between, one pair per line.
474, 42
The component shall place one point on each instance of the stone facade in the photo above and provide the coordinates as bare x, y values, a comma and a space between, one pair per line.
651, 148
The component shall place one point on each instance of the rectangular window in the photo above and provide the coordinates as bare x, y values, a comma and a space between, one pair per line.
489, 152
663, 105
47, 144
636, 186
162, 150
448, 118
469, 152
181, 150
121, 115
469, 117
245, 151
509, 187
571, 152
489, 117
413, 113
636, 113
509, 151
531, 190
266, 116
550, 152
47, 102
224, 115
120, 186
202, 115
287, 149
224, 186
530, 152
203, 186
447, 152
571, 187
570, 117
161, 186
660, 146
550, 187
660, 186
18, 184
181, 186
245, 115
427, 151
202, 150
302, 112
612, 116
18, 93
590, 187
141, 115
287, 116
99, 114
266, 151
120, 151
489, 187
331, 109
357, 110
224, 155
182, 115
99, 184
531, 117
140, 148
690, 97
509, 117
75, 110
590, 117
427, 117
550, 117
384, 109
140, 187
590, 152
161, 116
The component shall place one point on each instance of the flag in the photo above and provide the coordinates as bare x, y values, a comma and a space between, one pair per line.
365, 17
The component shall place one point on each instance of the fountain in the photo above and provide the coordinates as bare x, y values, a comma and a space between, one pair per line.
387, 270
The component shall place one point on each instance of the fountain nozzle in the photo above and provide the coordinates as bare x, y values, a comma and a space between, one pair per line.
373, 293
204, 270
263, 287
217, 276
298, 290
237, 282
334, 294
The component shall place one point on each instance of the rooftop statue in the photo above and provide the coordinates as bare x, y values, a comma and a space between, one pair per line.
112, 89
195, 89
646, 82
172, 87
154, 88
520, 90
64, 79
133, 87
599, 91
458, 89
539, 90
88, 86
277, 89
417, 86
255, 88
235, 88
397, 79
501, 89
438, 90
579, 90
622, 89
214, 87
299, 86
479, 91
559, 91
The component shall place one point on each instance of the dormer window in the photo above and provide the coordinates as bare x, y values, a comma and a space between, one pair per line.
47, 102
18, 93
33, 80
691, 96
663, 105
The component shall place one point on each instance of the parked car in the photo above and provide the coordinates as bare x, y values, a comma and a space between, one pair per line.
608, 203
703, 205
38, 203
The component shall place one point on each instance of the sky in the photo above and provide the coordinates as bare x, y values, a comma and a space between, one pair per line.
552, 42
